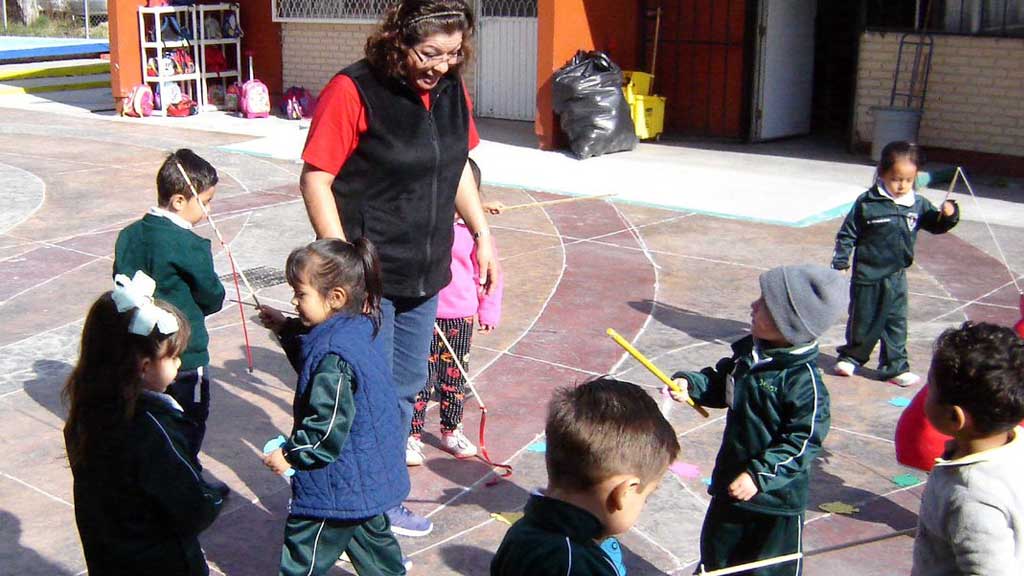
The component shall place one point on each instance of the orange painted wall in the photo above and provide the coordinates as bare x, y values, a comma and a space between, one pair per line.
262, 35
125, 53
565, 26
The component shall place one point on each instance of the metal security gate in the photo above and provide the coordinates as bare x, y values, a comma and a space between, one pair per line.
506, 85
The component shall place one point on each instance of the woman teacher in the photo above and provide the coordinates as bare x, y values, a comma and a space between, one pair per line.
386, 159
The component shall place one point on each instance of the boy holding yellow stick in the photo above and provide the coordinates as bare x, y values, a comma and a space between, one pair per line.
777, 420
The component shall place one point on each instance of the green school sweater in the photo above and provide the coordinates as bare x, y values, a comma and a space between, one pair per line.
181, 264
553, 538
778, 418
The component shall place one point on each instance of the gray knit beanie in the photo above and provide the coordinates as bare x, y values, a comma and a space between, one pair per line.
804, 300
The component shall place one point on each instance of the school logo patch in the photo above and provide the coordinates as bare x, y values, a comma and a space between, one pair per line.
912, 221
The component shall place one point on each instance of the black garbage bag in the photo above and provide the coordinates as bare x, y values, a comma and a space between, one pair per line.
592, 110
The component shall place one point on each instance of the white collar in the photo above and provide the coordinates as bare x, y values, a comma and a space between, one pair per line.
166, 399
907, 200
158, 211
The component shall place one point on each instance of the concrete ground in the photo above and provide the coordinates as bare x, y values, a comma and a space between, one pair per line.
676, 283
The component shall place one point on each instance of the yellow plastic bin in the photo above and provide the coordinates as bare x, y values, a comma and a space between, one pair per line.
648, 116
640, 82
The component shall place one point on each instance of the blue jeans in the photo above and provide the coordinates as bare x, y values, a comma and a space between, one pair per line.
406, 329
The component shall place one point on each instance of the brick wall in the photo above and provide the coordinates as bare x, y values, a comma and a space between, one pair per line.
313, 53
975, 98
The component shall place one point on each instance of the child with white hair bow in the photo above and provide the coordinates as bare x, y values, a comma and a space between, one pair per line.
140, 502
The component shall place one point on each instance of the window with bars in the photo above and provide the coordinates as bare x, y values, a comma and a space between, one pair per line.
964, 17
330, 10
507, 8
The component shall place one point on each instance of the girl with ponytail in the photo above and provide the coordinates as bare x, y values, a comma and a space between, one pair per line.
346, 446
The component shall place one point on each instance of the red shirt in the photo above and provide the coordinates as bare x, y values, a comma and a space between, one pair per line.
340, 118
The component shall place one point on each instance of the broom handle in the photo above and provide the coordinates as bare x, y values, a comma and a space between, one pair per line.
654, 370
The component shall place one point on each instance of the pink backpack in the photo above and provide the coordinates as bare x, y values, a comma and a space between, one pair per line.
139, 102
255, 98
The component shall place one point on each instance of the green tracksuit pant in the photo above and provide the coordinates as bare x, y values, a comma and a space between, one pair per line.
312, 546
878, 310
732, 536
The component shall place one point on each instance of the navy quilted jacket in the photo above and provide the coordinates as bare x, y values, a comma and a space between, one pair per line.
369, 476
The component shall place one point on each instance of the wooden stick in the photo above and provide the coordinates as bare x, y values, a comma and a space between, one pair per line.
559, 201
799, 555
285, 312
654, 50
654, 370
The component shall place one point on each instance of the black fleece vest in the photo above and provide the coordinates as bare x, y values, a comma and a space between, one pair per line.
398, 187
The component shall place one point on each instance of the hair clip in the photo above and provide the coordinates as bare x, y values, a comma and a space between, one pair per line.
137, 293
435, 15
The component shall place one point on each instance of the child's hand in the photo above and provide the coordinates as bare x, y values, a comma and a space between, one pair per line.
276, 462
683, 384
494, 207
743, 487
485, 328
948, 208
271, 318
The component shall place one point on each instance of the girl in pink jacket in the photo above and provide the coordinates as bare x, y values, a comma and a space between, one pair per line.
458, 305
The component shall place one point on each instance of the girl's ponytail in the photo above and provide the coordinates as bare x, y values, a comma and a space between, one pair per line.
371, 277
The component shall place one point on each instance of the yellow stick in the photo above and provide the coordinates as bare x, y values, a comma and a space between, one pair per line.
559, 201
752, 565
654, 370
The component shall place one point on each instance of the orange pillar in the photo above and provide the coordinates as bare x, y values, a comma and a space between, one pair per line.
263, 36
565, 26
125, 47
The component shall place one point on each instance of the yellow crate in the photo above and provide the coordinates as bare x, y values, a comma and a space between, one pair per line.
641, 81
648, 116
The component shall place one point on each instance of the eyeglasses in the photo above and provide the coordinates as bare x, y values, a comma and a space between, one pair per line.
449, 58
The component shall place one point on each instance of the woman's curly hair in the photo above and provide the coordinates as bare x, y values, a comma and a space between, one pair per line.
409, 23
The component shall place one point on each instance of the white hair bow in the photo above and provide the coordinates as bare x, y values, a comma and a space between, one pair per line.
137, 293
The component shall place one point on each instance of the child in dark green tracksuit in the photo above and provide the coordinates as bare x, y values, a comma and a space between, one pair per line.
596, 488
140, 502
881, 230
778, 418
163, 245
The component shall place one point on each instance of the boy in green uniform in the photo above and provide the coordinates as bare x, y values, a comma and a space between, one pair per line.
778, 417
163, 245
607, 448
881, 230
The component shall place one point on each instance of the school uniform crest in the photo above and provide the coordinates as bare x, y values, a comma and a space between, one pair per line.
912, 221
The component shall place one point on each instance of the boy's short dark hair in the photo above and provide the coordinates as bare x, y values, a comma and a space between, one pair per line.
980, 368
605, 427
169, 180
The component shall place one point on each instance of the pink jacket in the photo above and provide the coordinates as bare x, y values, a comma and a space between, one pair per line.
460, 298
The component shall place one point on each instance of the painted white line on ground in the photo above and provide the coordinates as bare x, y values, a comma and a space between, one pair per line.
972, 302
37, 489
452, 537
951, 299
861, 434
645, 536
866, 501
48, 280
546, 362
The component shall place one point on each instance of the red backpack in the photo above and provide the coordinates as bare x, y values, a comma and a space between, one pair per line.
139, 102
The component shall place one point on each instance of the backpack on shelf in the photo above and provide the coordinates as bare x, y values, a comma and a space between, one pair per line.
211, 28
216, 95
254, 100
231, 96
297, 103
139, 102
183, 62
215, 59
186, 106
173, 31
231, 29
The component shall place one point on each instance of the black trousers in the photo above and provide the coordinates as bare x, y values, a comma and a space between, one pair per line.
878, 311
191, 389
731, 536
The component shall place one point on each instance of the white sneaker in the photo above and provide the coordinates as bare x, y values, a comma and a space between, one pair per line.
457, 443
905, 379
413, 452
844, 368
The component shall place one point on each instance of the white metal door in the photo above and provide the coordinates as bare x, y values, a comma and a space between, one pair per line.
506, 85
783, 68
